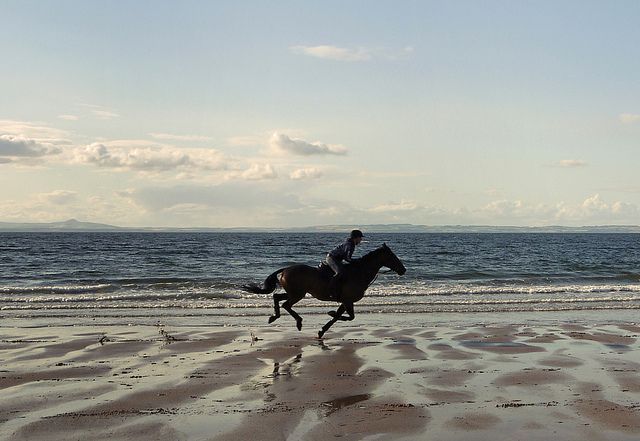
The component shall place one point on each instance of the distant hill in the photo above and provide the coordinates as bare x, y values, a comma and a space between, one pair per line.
68, 225
73, 225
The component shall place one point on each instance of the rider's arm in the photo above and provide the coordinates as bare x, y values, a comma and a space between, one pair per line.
350, 248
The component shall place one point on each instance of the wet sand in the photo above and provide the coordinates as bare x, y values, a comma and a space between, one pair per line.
507, 382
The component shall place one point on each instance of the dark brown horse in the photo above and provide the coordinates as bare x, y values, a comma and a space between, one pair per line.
298, 280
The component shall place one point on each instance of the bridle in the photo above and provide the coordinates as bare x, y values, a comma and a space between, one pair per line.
377, 274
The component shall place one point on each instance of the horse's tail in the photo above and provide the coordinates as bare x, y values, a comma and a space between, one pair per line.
267, 287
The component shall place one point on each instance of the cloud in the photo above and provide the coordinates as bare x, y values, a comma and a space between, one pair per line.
19, 146
504, 207
592, 210
259, 172
305, 173
59, 197
148, 158
571, 163
333, 52
336, 53
35, 131
171, 137
136, 158
69, 117
100, 112
395, 207
629, 118
625, 209
595, 205
104, 114
236, 195
246, 141
282, 143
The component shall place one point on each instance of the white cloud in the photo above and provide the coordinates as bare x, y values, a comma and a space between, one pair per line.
368, 174
259, 172
592, 210
624, 209
395, 206
58, 197
100, 112
246, 141
333, 52
104, 114
62, 204
18, 146
282, 143
503, 207
571, 163
148, 158
594, 205
306, 173
337, 53
171, 137
35, 131
135, 158
69, 117
239, 195
629, 118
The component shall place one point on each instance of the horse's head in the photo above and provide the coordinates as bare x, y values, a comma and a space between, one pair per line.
391, 261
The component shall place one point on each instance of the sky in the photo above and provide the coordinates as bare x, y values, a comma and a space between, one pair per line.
287, 113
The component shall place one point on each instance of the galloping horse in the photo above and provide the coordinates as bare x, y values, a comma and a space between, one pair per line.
298, 280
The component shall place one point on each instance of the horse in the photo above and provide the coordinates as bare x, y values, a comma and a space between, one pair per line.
298, 280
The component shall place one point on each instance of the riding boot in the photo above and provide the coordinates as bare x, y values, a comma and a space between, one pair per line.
334, 286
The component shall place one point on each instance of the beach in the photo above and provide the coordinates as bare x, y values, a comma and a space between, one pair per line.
554, 380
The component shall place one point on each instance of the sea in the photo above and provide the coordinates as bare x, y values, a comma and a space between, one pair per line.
152, 276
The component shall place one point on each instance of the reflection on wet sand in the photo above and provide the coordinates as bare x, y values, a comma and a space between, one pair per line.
480, 382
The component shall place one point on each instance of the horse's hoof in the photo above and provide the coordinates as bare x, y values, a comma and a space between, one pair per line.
299, 325
320, 334
332, 313
272, 319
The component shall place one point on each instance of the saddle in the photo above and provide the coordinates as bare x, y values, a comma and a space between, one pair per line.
334, 285
325, 271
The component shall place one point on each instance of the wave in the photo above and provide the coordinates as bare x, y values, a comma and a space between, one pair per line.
215, 290
118, 302
57, 289
467, 290
134, 284
123, 297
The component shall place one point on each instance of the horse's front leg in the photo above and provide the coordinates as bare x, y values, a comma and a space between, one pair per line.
349, 309
336, 316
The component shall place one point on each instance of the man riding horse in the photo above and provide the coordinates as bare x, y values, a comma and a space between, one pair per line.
334, 259
298, 280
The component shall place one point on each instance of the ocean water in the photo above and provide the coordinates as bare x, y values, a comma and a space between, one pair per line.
154, 274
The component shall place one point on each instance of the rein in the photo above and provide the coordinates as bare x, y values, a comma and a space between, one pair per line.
376, 277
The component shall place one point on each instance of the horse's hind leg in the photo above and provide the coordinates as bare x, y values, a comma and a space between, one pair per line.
277, 298
293, 299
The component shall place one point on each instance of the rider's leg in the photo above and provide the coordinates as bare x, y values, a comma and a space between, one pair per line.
335, 266
333, 283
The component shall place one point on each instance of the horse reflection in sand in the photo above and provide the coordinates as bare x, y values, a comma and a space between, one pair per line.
298, 280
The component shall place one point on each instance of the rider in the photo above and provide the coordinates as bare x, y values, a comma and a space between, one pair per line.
335, 257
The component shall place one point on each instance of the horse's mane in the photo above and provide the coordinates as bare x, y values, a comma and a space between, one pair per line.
371, 254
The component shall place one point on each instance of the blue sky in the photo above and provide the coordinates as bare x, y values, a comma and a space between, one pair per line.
293, 114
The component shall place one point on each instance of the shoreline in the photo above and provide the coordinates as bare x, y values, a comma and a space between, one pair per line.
553, 380
312, 321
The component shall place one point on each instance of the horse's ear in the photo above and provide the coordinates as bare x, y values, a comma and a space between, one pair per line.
384, 245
